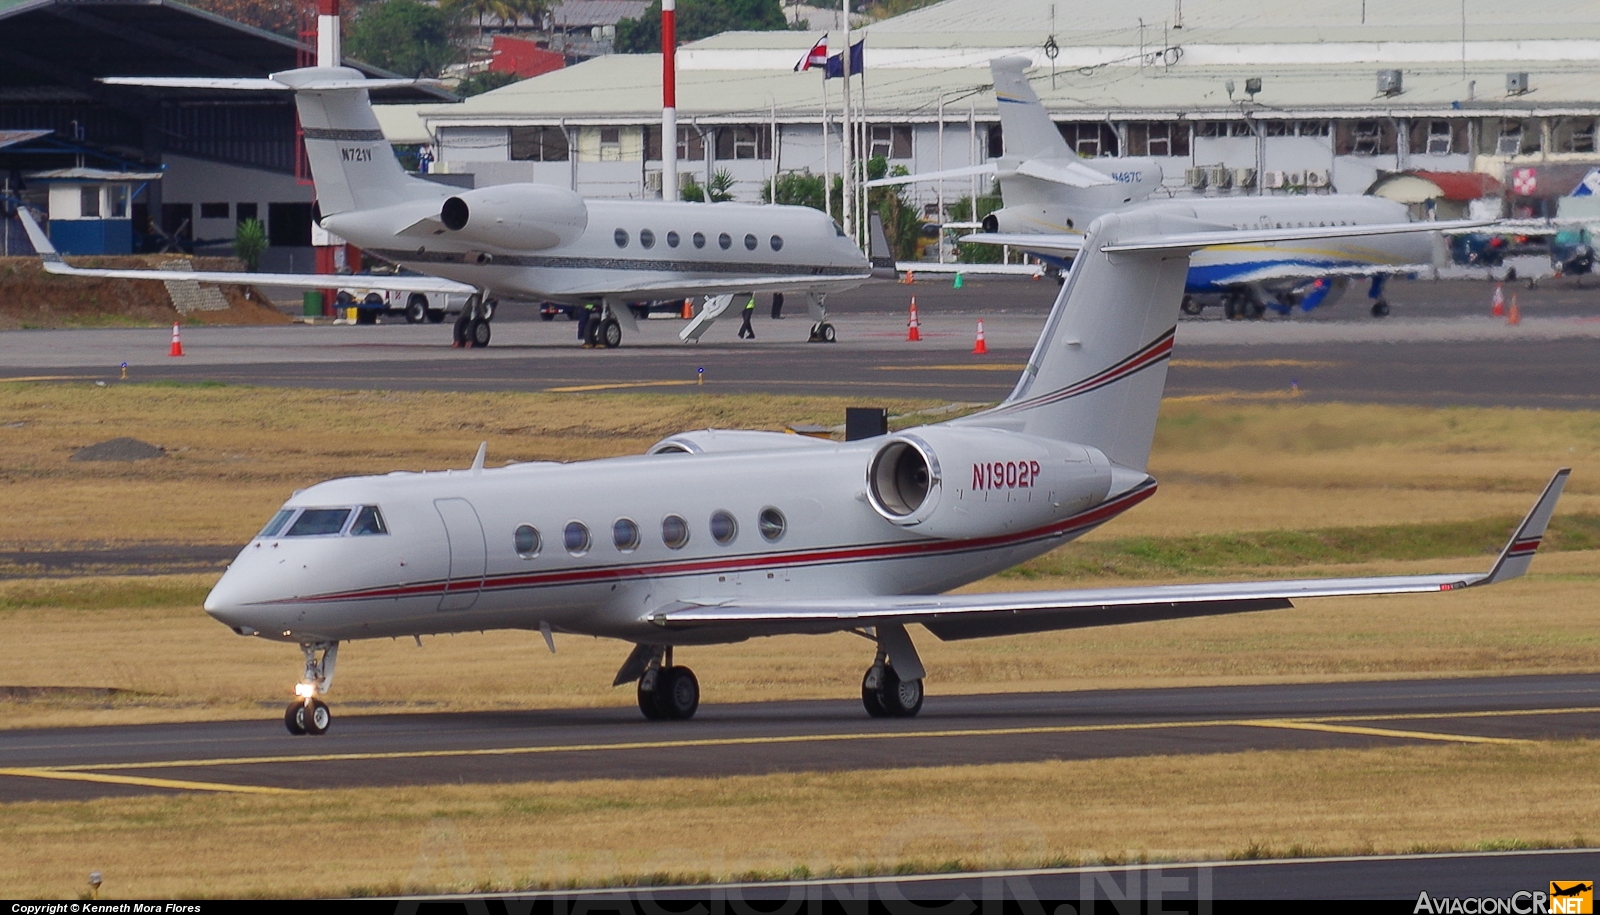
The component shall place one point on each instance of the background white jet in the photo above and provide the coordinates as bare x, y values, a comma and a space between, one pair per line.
717, 536
529, 241
1048, 190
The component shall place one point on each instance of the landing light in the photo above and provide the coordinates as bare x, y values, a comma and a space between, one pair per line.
305, 690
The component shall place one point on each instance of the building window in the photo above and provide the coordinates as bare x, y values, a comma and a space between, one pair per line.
213, 211
1158, 138
117, 201
245, 211
997, 142
1575, 135
690, 146
1438, 137
891, 141
1311, 128
611, 144
288, 224
538, 144
744, 142
1090, 140
1366, 138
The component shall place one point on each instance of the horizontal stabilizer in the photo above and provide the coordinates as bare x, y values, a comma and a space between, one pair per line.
270, 84
965, 171
54, 264
959, 616
1064, 172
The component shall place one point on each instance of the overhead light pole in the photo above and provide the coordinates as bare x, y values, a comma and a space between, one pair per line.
669, 100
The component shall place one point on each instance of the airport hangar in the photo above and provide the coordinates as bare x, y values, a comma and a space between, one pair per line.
1347, 92
221, 158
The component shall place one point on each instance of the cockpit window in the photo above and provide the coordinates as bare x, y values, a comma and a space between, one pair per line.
314, 521
277, 523
368, 521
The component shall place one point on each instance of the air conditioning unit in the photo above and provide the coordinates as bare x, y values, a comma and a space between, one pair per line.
1517, 84
1244, 177
1389, 82
652, 181
1219, 177
1294, 179
1316, 177
1274, 180
1195, 178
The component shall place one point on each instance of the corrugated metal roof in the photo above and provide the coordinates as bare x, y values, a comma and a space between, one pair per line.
13, 137
583, 13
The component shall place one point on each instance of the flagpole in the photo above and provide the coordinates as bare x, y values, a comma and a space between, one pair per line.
846, 137
669, 100
827, 163
866, 154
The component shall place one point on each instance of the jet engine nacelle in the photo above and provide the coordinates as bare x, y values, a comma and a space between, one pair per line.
950, 482
1029, 218
518, 217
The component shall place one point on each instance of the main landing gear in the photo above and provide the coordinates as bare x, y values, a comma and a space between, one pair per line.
308, 714
667, 692
472, 328
886, 695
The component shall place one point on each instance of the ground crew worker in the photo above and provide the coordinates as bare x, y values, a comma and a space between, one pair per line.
746, 332
777, 306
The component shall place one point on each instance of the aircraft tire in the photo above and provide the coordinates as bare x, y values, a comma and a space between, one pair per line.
294, 718
647, 699
1230, 307
610, 333
899, 698
677, 693
458, 334
416, 308
1191, 307
1380, 309
869, 699
478, 334
826, 333
316, 717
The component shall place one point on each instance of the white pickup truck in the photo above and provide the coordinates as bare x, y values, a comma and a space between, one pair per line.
416, 306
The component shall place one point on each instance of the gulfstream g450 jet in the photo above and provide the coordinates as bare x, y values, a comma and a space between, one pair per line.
533, 241
715, 537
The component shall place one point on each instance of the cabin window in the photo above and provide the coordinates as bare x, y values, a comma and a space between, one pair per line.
526, 540
647, 238
699, 240
368, 521
723, 527
777, 242
277, 523
750, 243
620, 237
674, 532
725, 241
772, 525
576, 538
625, 534
317, 521
672, 239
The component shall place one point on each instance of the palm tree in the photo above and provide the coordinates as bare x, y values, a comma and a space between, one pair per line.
507, 11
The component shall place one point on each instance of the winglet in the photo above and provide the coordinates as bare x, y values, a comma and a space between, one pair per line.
41, 243
1518, 553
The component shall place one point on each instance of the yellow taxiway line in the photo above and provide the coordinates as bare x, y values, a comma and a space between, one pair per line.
140, 781
581, 388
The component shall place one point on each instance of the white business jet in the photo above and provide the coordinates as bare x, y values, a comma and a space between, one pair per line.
1048, 192
534, 241
720, 536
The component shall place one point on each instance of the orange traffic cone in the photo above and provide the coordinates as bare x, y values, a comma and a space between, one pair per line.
980, 348
1514, 316
177, 343
908, 279
1499, 301
913, 326
688, 309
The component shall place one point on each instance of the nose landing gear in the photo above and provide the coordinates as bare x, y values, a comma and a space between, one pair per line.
308, 714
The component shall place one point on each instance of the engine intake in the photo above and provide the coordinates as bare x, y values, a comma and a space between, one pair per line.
518, 217
902, 477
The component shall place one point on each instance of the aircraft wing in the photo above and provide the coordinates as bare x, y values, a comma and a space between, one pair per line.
1209, 238
53, 263
1291, 271
1064, 243
718, 286
915, 267
963, 616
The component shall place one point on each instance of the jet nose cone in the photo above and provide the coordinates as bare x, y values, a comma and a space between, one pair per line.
227, 604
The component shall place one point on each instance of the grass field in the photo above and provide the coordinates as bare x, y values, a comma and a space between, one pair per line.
450, 837
1247, 490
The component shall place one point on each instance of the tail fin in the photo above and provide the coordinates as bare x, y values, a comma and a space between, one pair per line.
1097, 373
1029, 132
351, 162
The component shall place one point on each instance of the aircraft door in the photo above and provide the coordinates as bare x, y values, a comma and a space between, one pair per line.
469, 554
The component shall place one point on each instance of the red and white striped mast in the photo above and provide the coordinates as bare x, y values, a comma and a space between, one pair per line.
669, 100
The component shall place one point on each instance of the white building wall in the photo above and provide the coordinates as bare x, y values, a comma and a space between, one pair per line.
473, 144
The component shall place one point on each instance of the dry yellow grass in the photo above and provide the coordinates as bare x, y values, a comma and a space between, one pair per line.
1545, 623
236, 453
447, 837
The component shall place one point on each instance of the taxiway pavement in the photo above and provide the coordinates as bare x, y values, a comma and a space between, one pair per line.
258, 756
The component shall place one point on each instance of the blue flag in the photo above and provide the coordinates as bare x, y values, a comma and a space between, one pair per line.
836, 63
